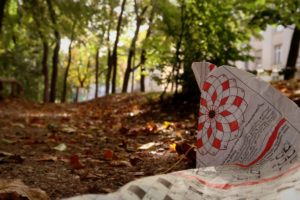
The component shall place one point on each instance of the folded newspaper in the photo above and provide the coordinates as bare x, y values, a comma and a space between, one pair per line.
248, 144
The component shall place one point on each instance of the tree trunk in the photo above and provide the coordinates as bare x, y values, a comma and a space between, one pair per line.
55, 58
177, 64
132, 81
45, 71
64, 92
131, 54
143, 61
2, 8
77, 94
108, 74
178, 46
114, 58
97, 73
66, 74
109, 66
293, 55
143, 53
127, 71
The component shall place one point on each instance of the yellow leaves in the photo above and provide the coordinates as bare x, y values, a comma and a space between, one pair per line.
172, 147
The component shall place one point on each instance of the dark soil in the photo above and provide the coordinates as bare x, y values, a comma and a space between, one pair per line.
97, 142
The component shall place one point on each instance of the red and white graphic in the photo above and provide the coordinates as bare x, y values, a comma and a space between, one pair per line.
201, 71
211, 67
222, 107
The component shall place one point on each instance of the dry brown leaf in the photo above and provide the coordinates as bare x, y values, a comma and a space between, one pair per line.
17, 190
120, 163
47, 158
151, 126
6, 157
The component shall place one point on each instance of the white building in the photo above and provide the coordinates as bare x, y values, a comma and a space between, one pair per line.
271, 50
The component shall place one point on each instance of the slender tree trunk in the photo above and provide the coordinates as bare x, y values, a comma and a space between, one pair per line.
77, 94
143, 61
55, 58
81, 80
66, 74
172, 76
177, 64
178, 47
109, 66
293, 55
108, 74
132, 81
2, 8
97, 73
127, 71
45, 71
142, 81
143, 52
131, 54
114, 57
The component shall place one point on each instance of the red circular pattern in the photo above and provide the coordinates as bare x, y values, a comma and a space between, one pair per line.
222, 106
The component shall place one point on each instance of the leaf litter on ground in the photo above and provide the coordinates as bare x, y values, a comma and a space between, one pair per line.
95, 146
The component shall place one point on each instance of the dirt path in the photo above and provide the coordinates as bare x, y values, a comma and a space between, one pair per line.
92, 147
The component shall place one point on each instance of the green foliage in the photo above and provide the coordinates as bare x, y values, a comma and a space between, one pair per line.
182, 31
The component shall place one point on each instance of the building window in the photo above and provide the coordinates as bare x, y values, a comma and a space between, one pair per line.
277, 54
279, 28
258, 61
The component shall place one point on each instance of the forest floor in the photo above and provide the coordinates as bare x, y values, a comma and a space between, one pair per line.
95, 146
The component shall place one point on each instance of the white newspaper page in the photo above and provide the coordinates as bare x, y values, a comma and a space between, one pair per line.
248, 145
245, 121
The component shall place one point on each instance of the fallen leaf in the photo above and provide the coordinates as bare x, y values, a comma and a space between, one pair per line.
17, 190
91, 175
4, 153
107, 190
6, 157
7, 141
179, 134
61, 147
147, 146
67, 129
37, 122
75, 162
20, 125
138, 173
108, 154
167, 125
151, 126
119, 163
47, 158
172, 147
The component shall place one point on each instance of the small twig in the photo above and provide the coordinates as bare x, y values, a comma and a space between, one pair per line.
182, 157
